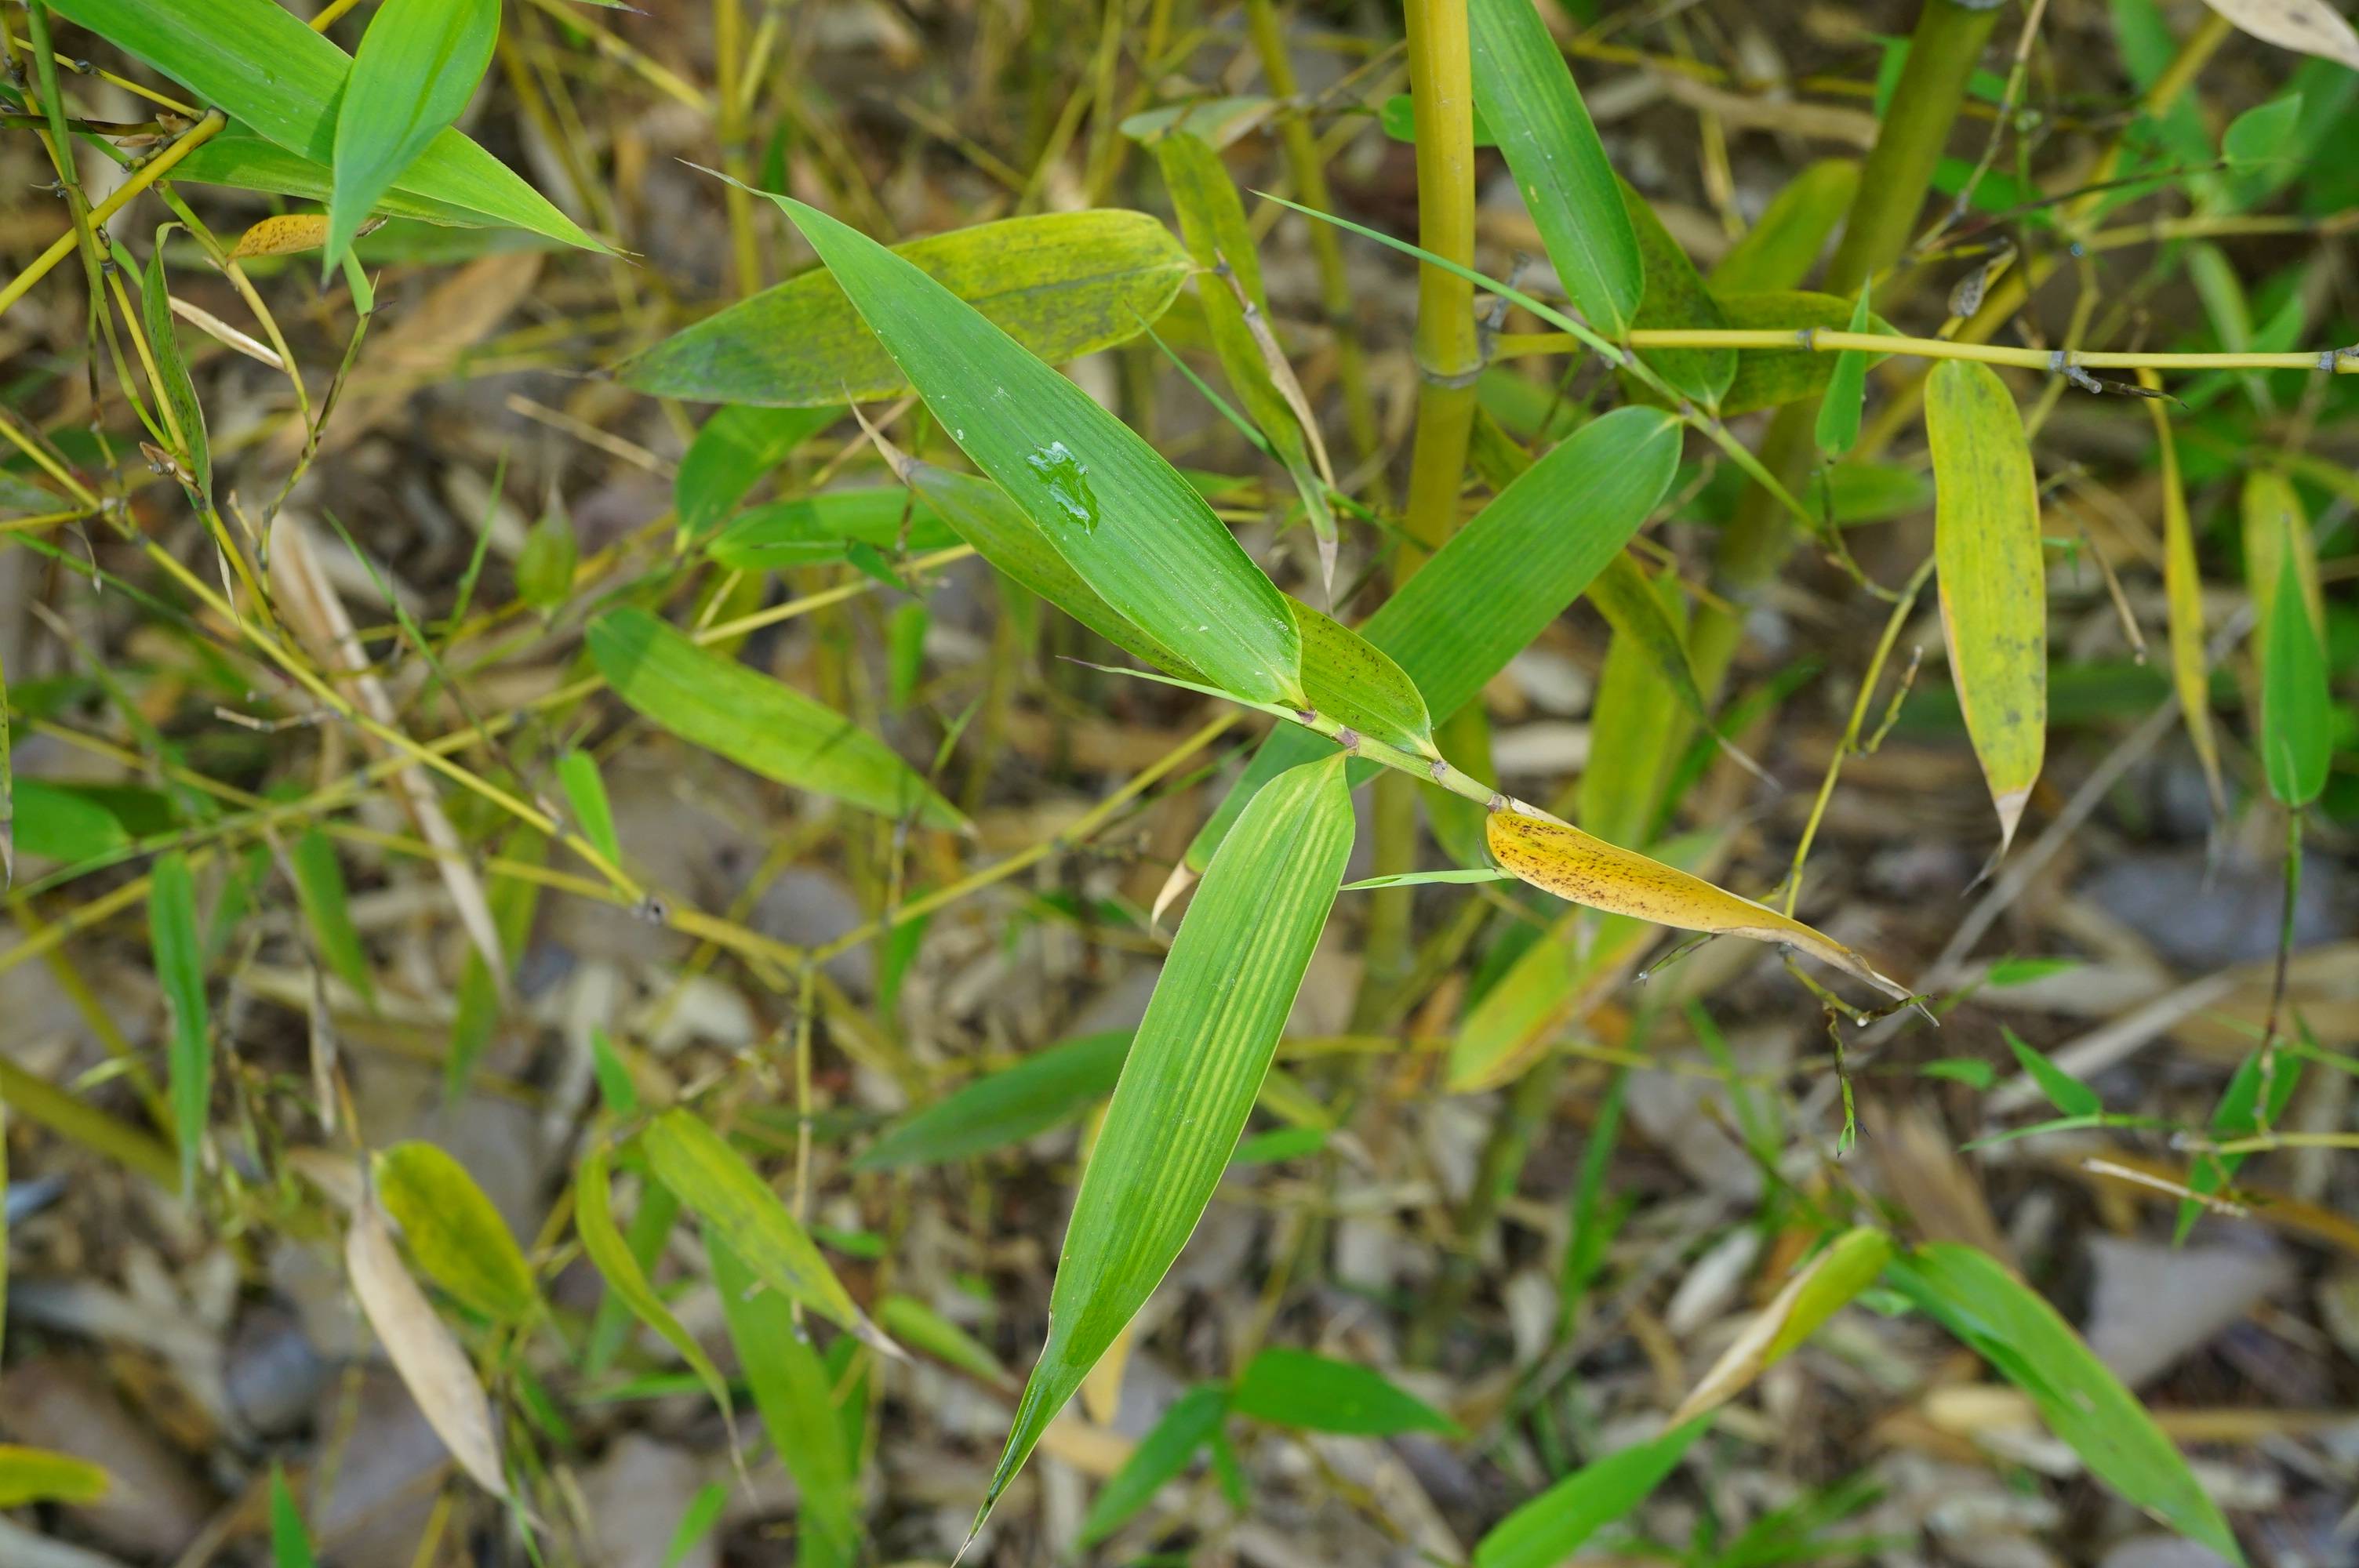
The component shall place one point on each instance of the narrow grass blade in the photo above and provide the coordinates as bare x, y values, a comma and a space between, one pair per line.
1786, 242
1166, 1450
432, 1366
1316, 1393
999, 1109
792, 1390
2182, 583
1588, 870
179, 956
594, 1221
1994, 1313
1123, 518
1676, 297
1061, 283
178, 393
1547, 1531
1190, 1079
40, 1476
258, 63
1846, 390
757, 723
709, 1176
416, 66
1993, 580
453, 1232
1848, 1266
1458, 876
290, 1546
1525, 93
327, 909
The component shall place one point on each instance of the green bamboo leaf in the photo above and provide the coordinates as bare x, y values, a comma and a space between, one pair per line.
1061, 283
2239, 1114
1994, 1313
1781, 248
320, 888
797, 1400
1635, 722
290, 1547
732, 451
259, 64
626, 1279
1212, 223
2065, 1092
1042, 1091
1768, 378
703, 1510
544, 568
1525, 93
178, 393
577, 774
1351, 680
1847, 1266
417, 65
1123, 518
2296, 708
814, 530
1993, 581
1190, 1079
1846, 392
2276, 527
179, 960
1547, 1531
1398, 115
58, 822
1315, 1393
1676, 297
757, 723
906, 652
453, 1232
1499, 581
42, 1476
514, 901
247, 162
920, 1327
1166, 1450
709, 1176
1457, 876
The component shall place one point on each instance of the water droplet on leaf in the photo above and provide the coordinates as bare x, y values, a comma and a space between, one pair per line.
1069, 484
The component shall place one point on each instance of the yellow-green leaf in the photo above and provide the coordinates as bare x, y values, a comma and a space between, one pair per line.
594, 1221
1061, 283
1676, 297
1779, 250
1767, 377
1588, 871
1190, 1079
1992, 579
453, 1232
2184, 587
755, 721
42, 1475
1848, 1266
180, 957
714, 1180
2296, 747
1349, 679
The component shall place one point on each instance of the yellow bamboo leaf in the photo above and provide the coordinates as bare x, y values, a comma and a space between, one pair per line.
1993, 582
1848, 1266
1588, 870
2184, 587
433, 1367
281, 235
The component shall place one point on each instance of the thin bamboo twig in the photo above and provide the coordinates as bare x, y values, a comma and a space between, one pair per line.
148, 174
1806, 340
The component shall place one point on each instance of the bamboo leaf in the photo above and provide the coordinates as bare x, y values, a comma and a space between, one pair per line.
247, 162
1993, 580
709, 1176
327, 908
180, 957
732, 450
42, 1476
1061, 283
999, 1109
1996, 1315
757, 723
1635, 721
178, 393
1190, 1423
1785, 243
2239, 1113
1768, 378
1588, 871
1349, 679
920, 1327
1676, 297
1524, 91
290, 1547
1846, 392
1315, 1393
2296, 710
586, 791
429, 1360
2277, 526
417, 65
1123, 518
594, 1221
1458, 876
798, 1403
1848, 1266
2065, 1092
1547, 1531
1190, 1079
258, 63
453, 1232
814, 530
2307, 26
